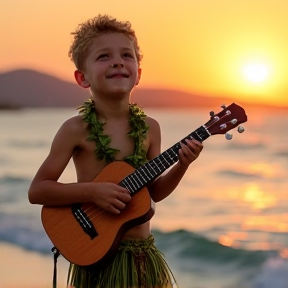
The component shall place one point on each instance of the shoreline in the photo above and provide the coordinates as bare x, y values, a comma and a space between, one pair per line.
21, 268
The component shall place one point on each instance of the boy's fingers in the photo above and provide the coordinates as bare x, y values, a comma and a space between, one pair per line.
125, 197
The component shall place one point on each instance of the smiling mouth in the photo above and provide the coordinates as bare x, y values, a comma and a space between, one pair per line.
117, 75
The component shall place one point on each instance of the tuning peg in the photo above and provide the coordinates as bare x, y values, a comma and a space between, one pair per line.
223, 106
223, 126
240, 129
228, 136
212, 114
233, 121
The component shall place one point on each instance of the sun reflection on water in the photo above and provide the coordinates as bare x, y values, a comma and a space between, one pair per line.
253, 196
226, 240
271, 223
257, 202
257, 198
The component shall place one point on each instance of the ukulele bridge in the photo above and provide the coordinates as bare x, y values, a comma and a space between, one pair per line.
84, 220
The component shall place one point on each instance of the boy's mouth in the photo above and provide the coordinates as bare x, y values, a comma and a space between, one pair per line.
117, 75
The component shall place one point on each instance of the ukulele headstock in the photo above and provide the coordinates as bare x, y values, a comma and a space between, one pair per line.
227, 119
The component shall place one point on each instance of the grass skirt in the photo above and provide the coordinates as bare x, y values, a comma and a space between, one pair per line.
138, 264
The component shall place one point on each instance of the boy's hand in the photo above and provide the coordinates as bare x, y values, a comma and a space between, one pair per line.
189, 152
110, 197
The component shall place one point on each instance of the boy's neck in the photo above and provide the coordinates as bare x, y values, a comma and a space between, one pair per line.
112, 109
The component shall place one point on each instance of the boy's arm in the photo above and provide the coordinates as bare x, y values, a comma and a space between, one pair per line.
46, 190
165, 184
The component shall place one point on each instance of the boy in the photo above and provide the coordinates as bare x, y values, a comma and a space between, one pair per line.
107, 58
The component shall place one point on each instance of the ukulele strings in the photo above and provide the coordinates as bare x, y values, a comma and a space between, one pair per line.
90, 215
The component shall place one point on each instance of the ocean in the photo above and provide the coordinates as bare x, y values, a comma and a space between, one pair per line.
226, 224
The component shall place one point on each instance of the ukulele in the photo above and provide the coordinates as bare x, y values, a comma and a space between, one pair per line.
87, 235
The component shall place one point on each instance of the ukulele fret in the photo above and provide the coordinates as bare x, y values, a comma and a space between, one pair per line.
142, 170
140, 178
165, 160
152, 170
172, 158
155, 164
136, 186
124, 184
200, 134
129, 181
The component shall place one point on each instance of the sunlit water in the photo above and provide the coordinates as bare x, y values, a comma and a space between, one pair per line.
226, 224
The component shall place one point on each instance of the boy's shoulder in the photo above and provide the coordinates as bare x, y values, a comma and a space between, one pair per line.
153, 126
74, 124
151, 121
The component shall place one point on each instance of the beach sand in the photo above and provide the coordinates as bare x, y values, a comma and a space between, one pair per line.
20, 268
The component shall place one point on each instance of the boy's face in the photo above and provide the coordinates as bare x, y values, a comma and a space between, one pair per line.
111, 65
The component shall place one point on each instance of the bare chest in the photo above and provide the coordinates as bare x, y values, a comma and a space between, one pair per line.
120, 140
88, 165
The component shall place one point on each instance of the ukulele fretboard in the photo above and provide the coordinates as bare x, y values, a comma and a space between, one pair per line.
152, 169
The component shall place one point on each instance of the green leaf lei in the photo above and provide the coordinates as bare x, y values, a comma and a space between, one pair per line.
103, 150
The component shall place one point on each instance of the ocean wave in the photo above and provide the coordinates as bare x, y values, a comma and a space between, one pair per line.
16, 143
246, 146
194, 246
27, 233
12, 189
237, 174
10, 179
24, 231
273, 273
210, 264
282, 153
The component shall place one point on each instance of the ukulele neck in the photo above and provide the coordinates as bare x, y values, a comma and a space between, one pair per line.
154, 168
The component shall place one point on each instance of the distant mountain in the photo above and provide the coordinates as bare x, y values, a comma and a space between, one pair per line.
28, 88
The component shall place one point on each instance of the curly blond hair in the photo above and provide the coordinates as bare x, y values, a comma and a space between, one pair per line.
87, 31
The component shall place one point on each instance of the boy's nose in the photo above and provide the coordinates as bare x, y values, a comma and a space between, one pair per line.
117, 65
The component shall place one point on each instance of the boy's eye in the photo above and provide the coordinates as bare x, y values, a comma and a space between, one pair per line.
102, 56
129, 55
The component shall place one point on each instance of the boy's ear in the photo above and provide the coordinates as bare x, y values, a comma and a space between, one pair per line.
80, 79
139, 76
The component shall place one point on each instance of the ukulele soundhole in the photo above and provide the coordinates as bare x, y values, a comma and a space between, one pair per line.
84, 221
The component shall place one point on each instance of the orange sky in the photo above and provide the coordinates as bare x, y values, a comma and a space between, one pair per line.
199, 46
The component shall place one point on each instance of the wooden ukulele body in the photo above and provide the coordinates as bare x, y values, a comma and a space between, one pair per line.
69, 237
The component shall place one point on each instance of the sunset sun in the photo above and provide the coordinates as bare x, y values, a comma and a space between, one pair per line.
255, 72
